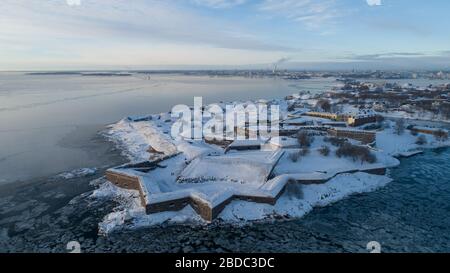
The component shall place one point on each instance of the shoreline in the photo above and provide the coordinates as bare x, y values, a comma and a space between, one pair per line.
87, 139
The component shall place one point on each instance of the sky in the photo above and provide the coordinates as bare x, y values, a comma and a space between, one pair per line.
224, 34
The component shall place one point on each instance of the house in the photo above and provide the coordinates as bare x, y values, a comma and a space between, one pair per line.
359, 118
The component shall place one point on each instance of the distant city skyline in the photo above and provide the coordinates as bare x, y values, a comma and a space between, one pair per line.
224, 34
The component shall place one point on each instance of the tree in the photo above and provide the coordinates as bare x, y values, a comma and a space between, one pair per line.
304, 140
380, 118
324, 105
291, 107
445, 110
304, 151
399, 127
441, 135
421, 140
335, 141
356, 152
294, 156
324, 150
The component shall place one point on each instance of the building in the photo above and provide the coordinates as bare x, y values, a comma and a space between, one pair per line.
334, 123
245, 145
428, 130
326, 115
361, 119
356, 119
296, 121
360, 135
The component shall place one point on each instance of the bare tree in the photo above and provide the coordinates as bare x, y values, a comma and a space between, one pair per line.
441, 135
324, 150
324, 104
356, 152
421, 140
399, 127
294, 156
304, 151
304, 139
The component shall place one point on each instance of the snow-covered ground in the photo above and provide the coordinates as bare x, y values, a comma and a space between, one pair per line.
326, 166
425, 116
393, 144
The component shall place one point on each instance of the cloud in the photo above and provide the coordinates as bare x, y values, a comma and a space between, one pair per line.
402, 27
218, 4
313, 14
381, 56
397, 60
143, 21
374, 2
73, 2
50, 33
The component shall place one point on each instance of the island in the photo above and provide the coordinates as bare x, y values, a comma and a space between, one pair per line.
325, 147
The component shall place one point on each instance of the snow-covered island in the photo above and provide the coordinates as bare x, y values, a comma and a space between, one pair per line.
326, 147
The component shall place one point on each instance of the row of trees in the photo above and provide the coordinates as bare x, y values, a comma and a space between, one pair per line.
345, 149
356, 152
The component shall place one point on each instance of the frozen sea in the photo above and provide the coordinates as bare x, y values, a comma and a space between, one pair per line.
49, 125
48, 122
410, 214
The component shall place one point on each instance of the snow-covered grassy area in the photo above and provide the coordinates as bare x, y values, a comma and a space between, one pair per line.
388, 142
424, 116
314, 162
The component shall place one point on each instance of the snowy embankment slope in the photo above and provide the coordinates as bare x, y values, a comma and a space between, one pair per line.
135, 138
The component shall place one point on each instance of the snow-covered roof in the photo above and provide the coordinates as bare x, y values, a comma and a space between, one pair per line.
243, 168
284, 142
246, 143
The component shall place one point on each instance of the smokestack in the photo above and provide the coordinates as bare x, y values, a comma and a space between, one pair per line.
279, 62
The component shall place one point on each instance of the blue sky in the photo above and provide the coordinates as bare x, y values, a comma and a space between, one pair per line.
158, 34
